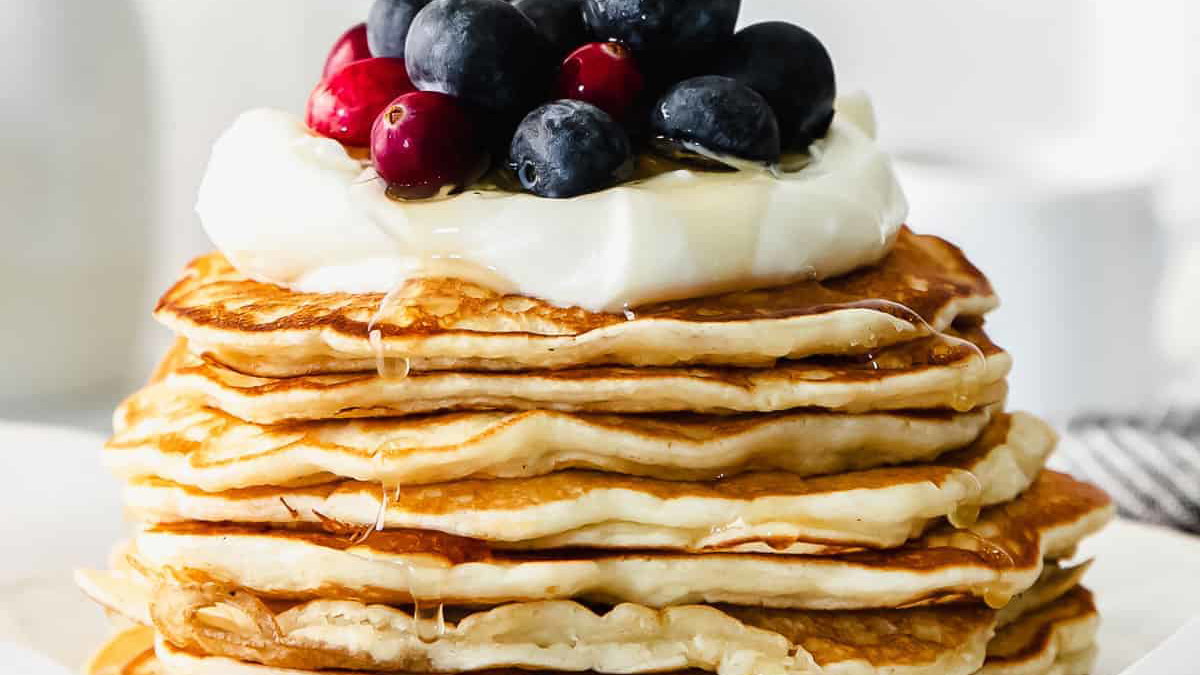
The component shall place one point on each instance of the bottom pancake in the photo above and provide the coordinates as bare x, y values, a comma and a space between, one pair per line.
1053, 634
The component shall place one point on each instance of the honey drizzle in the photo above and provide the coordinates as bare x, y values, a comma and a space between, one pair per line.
429, 620
974, 369
397, 368
964, 515
428, 615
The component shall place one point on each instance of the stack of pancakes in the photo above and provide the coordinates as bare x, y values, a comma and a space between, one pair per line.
819, 477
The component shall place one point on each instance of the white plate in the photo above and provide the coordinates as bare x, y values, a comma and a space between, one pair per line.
1147, 587
1145, 577
60, 511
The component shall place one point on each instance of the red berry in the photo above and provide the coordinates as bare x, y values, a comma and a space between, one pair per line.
345, 105
425, 143
604, 74
351, 47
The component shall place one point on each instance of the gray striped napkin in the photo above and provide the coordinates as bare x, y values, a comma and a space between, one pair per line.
1149, 464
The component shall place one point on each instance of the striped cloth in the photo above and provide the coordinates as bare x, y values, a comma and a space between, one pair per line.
1150, 465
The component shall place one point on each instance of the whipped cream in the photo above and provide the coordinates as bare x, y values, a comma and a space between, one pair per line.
294, 209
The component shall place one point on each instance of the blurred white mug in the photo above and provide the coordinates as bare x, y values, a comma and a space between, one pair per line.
76, 192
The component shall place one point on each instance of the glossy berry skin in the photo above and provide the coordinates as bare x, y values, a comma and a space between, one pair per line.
791, 68
567, 148
424, 143
663, 28
725, 118
344, 105
388, 22
485, 52
604, 74
350, 47
560, 21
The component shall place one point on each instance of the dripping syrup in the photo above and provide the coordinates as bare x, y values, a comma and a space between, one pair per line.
394, 368
964, 397
429, 614
965, 515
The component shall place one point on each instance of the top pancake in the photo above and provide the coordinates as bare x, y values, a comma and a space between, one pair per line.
448, 324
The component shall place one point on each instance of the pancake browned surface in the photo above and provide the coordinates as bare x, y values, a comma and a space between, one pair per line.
1000, 556
1064, 631
766, 512
962, 369
447, 324
571, 637
162, 433
201, 624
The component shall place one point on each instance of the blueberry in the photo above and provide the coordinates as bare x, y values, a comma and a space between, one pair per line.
387, 25
791, 68
663, 27
561, 21
485, 52
567, 148
714, 118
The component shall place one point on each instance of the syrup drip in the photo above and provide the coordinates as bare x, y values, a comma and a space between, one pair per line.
381, 516
380, 519
429, 612
429, 616
995, 555
429, 620
395, 368
427, 241
997, 599
718, 534
967, 513
974, 370
434, 265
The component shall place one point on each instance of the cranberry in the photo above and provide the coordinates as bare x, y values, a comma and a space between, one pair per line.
345, 105
351, 47
604, 74
424, 144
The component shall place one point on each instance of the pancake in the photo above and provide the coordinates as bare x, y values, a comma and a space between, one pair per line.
961, 370
1078, 663
766, 512
448, 324
200, 625
167, 435
1060, 633
999, 557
